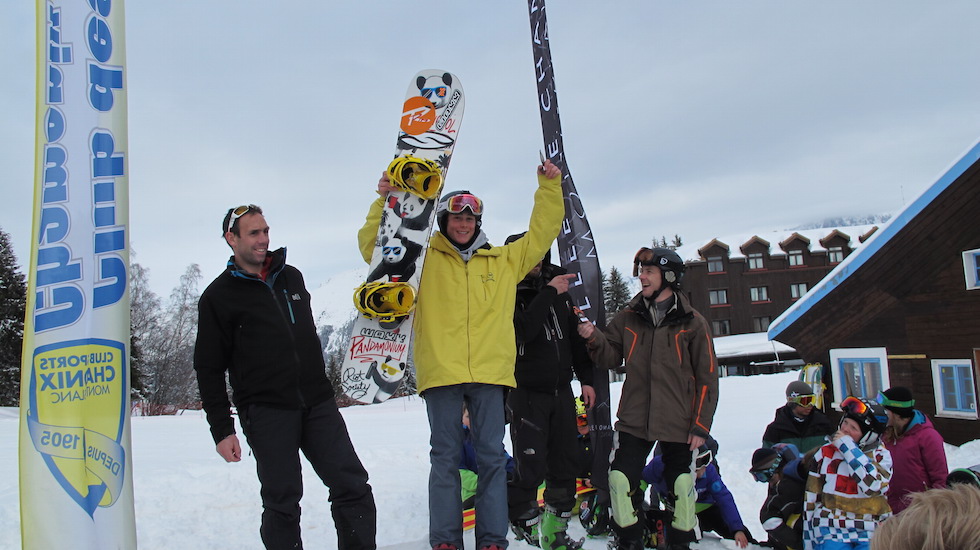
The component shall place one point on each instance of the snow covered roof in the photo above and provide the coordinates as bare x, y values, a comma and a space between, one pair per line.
879, 239
774, 239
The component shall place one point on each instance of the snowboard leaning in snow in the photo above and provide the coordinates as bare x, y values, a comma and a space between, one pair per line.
377, 354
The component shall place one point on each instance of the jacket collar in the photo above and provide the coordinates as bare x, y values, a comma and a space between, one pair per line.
679, 313
277, 259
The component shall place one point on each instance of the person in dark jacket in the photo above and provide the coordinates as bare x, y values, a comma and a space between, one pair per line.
798, 421
716, 509
669, 397
782, 467
255, 323
542, 407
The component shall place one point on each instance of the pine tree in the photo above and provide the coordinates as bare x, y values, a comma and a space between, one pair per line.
13, 305
615, 293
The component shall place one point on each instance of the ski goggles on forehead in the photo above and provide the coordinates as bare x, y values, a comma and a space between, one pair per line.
853, 405
582, 420
803, 400
885, 402
438, 91
238, 213
457, 204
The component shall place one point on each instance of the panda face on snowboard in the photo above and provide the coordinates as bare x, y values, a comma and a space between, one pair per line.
393, 252
435, 88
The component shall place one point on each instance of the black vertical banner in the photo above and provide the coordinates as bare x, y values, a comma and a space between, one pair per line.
575, 244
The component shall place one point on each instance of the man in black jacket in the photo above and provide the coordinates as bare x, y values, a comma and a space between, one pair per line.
798, 421
255, 323
542, 407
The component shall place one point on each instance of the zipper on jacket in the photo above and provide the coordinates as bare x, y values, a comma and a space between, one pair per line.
289, 306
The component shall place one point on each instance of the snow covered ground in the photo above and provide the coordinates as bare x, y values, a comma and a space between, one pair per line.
188, 498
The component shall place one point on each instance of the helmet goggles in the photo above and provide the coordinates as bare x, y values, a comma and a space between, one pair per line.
703, 460
763, 476
457, 204
808, 400
854, 405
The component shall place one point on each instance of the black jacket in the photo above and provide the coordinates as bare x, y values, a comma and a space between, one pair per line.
806, 434
548, 344
262, 333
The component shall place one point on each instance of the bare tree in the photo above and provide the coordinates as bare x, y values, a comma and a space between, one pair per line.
168, 356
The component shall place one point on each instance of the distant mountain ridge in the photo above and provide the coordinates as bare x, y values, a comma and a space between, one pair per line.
848, 221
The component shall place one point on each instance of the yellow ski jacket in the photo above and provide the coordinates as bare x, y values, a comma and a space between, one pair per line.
464, 318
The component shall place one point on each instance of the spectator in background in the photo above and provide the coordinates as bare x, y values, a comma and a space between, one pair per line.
798, 421
715, 508
918, 455
782, 467
938, 519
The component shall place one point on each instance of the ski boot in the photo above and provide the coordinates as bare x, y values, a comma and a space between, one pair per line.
553, 530
386, 302
416, 175
526, 527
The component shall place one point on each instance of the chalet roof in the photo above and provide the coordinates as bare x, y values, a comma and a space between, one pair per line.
795, 237
878, 240
737, 243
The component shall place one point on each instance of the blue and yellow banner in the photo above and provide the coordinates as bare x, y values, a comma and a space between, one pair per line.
76, 482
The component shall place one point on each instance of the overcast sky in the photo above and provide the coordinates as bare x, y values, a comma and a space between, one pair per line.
700, 118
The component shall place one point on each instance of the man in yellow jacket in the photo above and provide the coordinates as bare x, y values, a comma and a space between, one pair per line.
464, 348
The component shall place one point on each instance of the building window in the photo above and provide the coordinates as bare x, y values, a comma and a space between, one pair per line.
861, 372
755, 261
797, 290
721, 327
835, 255
952, 380
795, 257
759, 293
715, 265
718, 297
761, 324
971, 268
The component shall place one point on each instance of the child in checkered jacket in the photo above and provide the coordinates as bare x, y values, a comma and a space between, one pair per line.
845, 490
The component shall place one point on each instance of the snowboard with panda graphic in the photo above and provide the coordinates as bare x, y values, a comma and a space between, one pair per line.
377, 354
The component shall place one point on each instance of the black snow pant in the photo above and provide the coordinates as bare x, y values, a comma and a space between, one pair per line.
276, 436
545, 444
630, 456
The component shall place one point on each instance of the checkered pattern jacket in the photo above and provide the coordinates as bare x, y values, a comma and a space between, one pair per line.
845, 493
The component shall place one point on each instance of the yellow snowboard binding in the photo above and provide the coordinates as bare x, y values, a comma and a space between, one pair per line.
416, 175
385, 301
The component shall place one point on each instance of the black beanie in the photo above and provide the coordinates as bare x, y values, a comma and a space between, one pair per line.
900, 393
762, 459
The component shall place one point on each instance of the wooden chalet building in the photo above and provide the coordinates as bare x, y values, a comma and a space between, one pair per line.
903, 309
741, 290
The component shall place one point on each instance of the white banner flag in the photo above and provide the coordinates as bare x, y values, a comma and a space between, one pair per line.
76, 482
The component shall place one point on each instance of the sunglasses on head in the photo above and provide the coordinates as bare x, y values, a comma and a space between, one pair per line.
238, 213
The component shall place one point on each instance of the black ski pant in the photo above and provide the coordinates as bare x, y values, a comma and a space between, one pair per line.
545, 444
630, 456
276, 436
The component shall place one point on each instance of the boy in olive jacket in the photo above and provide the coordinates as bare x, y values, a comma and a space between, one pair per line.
669, 396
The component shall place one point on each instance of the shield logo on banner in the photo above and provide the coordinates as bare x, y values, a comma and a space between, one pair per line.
78, 409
